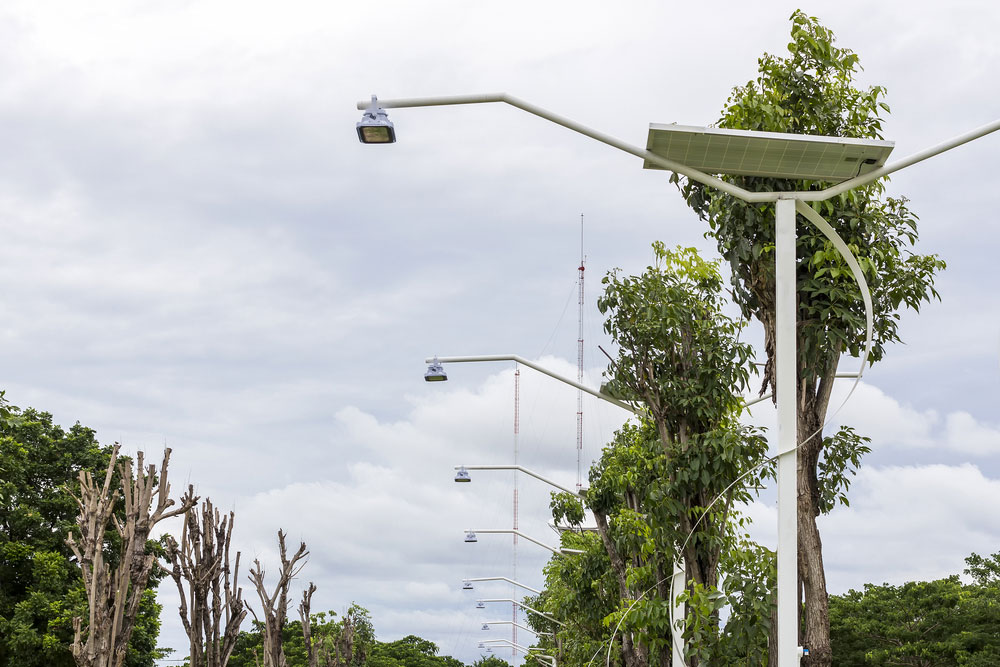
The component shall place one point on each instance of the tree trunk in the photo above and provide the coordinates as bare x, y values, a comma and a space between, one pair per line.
114, 595
212, 618
305, 607
274, 607
634, 655
816, 623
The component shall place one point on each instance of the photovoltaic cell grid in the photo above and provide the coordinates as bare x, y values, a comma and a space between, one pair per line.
773, 154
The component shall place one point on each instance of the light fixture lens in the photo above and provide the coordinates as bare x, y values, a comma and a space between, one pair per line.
376, 134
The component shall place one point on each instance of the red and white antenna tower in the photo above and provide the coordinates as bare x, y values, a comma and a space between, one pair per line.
517, 419
579, 372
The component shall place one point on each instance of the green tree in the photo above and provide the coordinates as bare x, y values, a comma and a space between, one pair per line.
490, 661
811, 91
410, 651
680, 357
40, 587
921, 623
668, 485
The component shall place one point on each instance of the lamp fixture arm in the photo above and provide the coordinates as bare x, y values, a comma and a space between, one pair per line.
510, 531
920, 156
580, 493
524, 606
570, 124
540, 369
693, 174
509, 581
523, 627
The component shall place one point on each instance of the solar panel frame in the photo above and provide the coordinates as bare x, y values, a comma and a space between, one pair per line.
770, 154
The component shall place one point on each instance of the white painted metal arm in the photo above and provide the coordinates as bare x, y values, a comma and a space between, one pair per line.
510, 531
693, 174
509, 581
569, 124
540, 369
523, 606
864, 179
581, 492
523, 627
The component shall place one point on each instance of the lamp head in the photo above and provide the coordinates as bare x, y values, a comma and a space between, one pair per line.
485, 626
467, 586
470, 536
375, 126
462, 475
435, 373
480, 605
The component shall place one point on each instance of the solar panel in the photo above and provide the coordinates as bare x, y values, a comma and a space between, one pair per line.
773, 154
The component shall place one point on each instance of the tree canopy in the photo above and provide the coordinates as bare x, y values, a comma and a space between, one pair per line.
40, 587
937, 623
812, 90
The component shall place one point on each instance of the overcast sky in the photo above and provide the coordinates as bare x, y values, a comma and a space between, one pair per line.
195, 250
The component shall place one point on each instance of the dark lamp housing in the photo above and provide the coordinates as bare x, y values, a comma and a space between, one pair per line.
375, 126
435, 373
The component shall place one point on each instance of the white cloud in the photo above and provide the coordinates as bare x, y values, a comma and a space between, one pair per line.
196, 250
965, 434
911, 523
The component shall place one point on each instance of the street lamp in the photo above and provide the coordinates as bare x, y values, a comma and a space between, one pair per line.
460, 477
561, 551
868, 161
604, 393
534, 632
547, 617
467, 585
437, 362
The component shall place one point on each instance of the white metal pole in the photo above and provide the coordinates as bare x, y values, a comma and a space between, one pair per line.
676, 588
785, 351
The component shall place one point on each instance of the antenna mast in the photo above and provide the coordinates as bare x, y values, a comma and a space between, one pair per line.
517, 419
579, 372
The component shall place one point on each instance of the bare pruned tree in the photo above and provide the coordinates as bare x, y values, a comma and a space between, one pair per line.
114, 593
327, 650
210, 610
274, 606
312, 649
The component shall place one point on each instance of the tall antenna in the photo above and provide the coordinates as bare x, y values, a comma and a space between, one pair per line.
579, 372
517, 420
